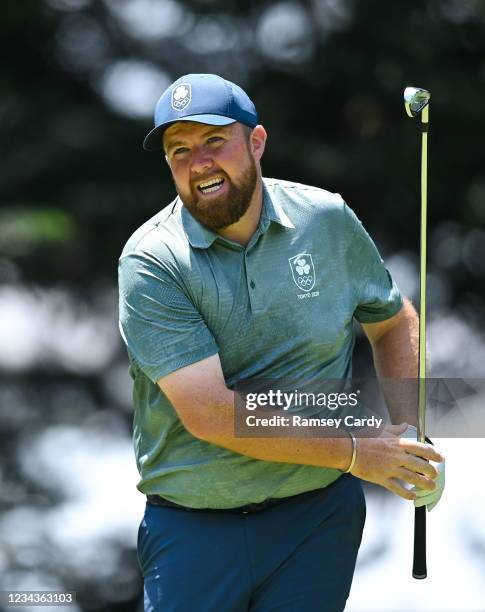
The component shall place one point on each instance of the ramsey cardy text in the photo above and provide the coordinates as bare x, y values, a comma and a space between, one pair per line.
299, 421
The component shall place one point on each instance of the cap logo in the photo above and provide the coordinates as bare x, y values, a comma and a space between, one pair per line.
181, 96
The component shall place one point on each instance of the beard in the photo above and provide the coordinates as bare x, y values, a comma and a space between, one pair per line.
218, 212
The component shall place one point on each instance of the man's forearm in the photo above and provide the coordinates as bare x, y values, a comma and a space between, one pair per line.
396, 363
218, 428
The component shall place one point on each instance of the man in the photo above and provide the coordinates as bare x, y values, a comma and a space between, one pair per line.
243, 277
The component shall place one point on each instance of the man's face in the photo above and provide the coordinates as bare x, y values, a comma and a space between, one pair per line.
214, 170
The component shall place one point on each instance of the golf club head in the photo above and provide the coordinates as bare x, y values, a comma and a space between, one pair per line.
415, 99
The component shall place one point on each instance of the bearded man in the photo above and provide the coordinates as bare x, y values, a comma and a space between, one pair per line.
243, 277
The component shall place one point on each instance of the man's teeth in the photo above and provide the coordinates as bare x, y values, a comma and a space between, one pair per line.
212, 185
211, 189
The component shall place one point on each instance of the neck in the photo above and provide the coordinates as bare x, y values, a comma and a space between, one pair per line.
243, 230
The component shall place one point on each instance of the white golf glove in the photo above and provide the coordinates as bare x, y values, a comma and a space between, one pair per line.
423, 496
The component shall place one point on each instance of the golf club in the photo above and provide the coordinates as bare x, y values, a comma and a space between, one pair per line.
416, 101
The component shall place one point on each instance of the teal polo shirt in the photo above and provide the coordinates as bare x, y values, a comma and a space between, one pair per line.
280, 307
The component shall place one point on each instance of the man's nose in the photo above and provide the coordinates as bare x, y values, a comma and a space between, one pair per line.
201, 161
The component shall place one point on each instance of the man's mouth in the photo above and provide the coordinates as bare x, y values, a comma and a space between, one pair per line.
211, 185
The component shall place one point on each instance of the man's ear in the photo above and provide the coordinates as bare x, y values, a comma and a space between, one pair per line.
257, 141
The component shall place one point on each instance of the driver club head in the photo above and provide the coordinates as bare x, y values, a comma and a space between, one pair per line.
415, 99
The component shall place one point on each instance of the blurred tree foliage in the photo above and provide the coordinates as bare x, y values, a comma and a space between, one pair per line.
330, 98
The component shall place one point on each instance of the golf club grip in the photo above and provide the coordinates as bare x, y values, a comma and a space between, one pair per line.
419, 559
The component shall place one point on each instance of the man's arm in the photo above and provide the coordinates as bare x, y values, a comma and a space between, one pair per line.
206, 408
395, 344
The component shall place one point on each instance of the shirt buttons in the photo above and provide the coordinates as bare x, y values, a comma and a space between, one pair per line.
252, 284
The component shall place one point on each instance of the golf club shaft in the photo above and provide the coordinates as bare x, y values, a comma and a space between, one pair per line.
422, 277
419, 558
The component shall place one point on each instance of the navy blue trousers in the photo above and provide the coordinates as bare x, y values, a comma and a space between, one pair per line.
298, 556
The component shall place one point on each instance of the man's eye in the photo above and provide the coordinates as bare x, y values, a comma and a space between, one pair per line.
180, 150
214, 139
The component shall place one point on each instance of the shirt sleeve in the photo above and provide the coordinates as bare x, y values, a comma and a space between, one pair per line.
376, 295
160, 325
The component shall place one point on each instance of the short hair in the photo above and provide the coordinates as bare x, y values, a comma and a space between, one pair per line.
248, 130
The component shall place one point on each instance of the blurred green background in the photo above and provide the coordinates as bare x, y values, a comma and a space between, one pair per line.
79, 82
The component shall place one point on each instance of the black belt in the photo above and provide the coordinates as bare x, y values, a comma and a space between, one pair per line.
157, 500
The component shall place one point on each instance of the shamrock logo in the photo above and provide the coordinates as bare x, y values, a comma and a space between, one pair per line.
180, 92
302, 267
181, 96
303, 271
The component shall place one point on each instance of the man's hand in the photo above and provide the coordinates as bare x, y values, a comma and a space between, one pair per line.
424, 497
390, 458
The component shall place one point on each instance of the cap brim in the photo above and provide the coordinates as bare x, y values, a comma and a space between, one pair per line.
154, 139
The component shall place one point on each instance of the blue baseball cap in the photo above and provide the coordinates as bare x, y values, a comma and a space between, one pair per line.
205, 98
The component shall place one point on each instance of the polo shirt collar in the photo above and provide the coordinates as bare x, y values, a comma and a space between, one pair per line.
201, 237
273, 210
